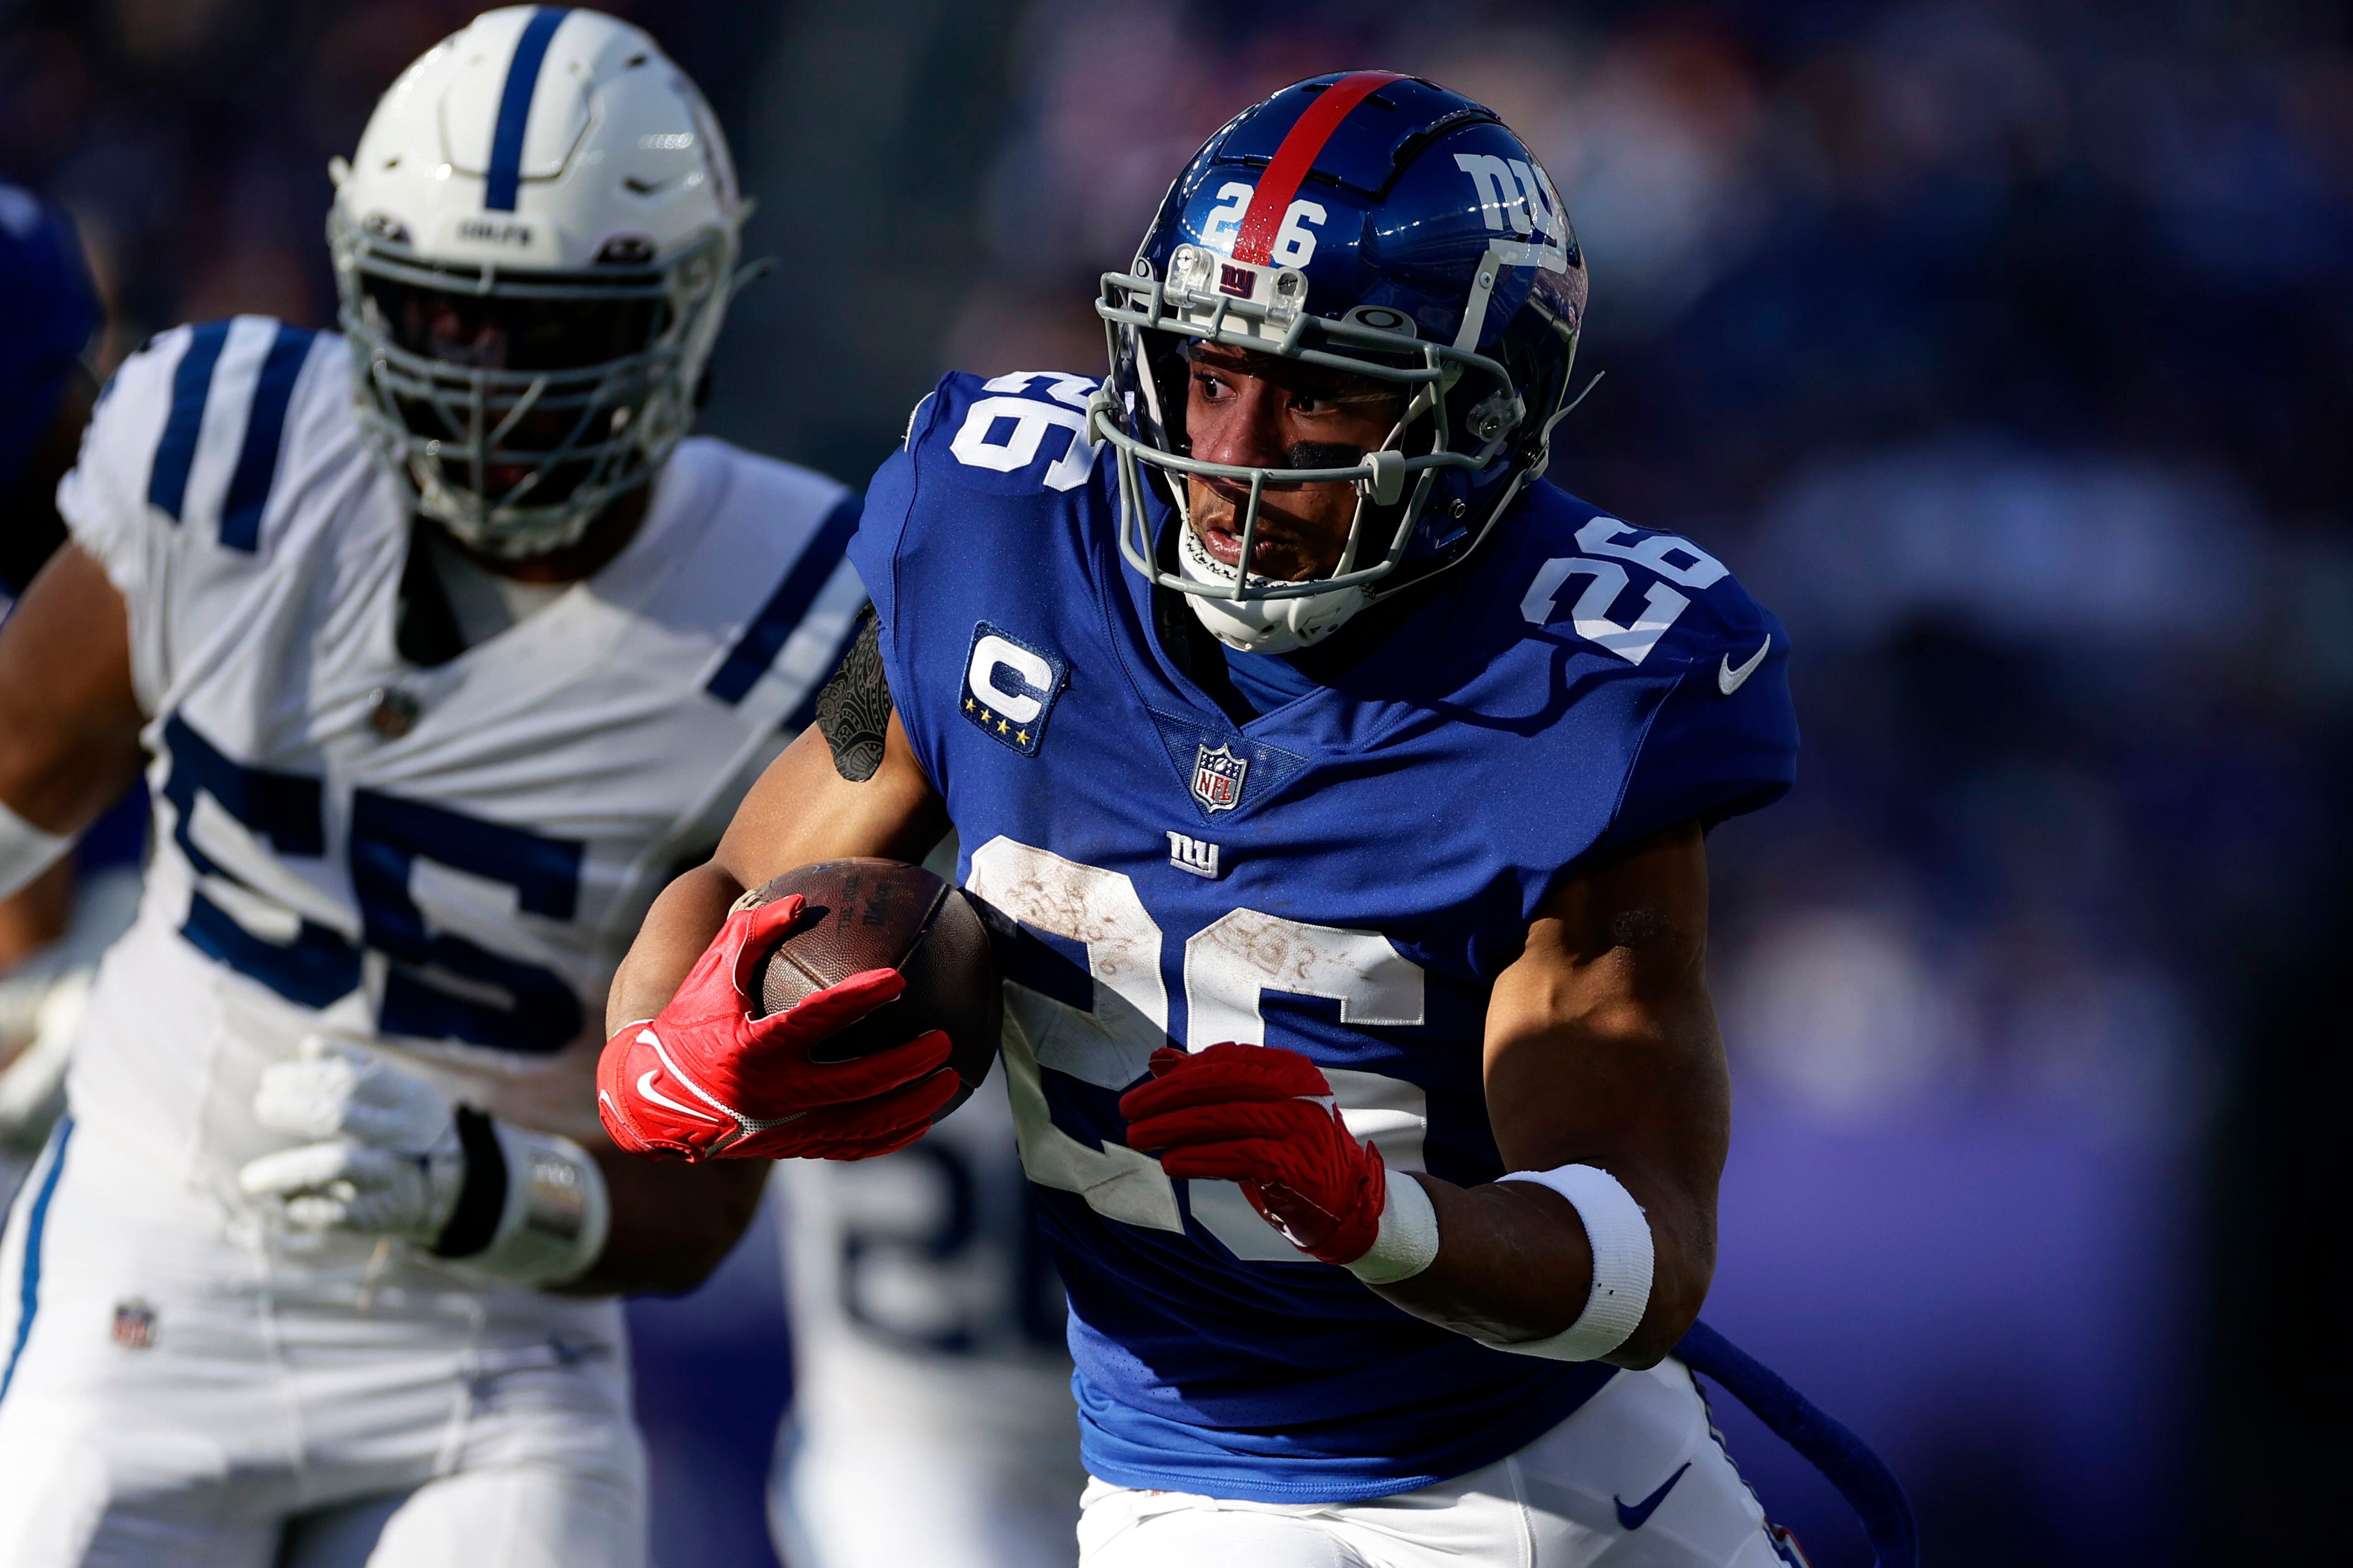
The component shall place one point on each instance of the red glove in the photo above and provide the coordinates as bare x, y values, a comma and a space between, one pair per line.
1264, 1117
705, 1079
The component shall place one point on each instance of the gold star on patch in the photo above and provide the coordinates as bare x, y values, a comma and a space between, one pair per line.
1022, 736
987, 717
968, 704
1002, 726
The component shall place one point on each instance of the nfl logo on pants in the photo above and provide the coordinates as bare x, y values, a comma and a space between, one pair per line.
1218, 778
134, 1325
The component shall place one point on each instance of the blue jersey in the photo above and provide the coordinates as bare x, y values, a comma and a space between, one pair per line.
47, 312
1345, 875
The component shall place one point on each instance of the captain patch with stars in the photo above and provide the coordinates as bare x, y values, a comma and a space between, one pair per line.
1010, 687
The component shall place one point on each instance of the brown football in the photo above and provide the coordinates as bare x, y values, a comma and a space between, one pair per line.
886, 914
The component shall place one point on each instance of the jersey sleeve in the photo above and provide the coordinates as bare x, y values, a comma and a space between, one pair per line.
990, 477
1722, 741
104, 498
884, 531
890, 510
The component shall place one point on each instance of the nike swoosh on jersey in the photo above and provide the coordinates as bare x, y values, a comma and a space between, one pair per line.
646, 1086
1729, 679
1639, 1515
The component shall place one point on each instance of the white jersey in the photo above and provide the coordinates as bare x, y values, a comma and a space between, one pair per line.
445, 861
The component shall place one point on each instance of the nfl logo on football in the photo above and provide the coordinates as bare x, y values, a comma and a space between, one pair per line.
1218, 778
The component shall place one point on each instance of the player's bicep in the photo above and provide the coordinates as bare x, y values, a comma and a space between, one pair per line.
1607, 1007
69, 717
850, 784
803, 810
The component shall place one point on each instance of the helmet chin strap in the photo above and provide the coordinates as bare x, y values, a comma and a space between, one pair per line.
1259, 626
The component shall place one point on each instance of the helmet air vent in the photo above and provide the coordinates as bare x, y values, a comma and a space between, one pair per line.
626, 250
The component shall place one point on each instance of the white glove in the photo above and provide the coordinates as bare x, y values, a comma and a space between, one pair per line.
388, 1162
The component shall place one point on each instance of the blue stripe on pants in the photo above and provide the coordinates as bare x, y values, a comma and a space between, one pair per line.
28, 1289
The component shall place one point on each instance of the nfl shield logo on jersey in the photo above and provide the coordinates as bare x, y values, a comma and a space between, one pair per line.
1218, 778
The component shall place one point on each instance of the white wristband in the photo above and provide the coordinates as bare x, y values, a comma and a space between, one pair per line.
26, 851
556, 1213
1406, 1242
1623, 1259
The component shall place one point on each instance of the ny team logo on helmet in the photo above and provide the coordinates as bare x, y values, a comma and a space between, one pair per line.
535, 244
1368, 223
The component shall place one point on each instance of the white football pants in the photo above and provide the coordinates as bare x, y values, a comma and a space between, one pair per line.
1635, 1478
176, 1397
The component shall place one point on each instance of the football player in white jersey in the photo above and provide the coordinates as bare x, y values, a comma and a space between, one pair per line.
440, 647
928, 1335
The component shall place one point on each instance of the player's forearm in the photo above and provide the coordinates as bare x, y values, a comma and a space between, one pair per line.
677, 928
1515, 1265
672, 1225
804, 809
1605, 1073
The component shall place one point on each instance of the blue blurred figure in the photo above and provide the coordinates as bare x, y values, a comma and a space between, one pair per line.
49, 311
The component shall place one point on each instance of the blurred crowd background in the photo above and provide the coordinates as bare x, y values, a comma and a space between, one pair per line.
2004, 348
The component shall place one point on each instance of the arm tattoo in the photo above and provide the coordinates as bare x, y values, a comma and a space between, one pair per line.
854, 709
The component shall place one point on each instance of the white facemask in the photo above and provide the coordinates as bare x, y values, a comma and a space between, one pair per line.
1259, 625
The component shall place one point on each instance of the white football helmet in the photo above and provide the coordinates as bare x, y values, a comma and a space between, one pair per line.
533, 248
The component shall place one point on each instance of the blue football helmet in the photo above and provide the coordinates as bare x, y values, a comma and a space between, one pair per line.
1370, 223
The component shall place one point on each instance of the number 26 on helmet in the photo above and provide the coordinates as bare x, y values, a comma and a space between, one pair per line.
1369, 224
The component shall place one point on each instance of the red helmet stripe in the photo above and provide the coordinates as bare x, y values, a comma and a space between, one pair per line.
1254, 242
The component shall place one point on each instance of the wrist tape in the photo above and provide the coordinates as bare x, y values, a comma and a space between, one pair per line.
534, 1210
26, 851
1406, 1242
1623, 1259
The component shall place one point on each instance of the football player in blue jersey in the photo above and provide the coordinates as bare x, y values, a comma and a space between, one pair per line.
1345, 789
